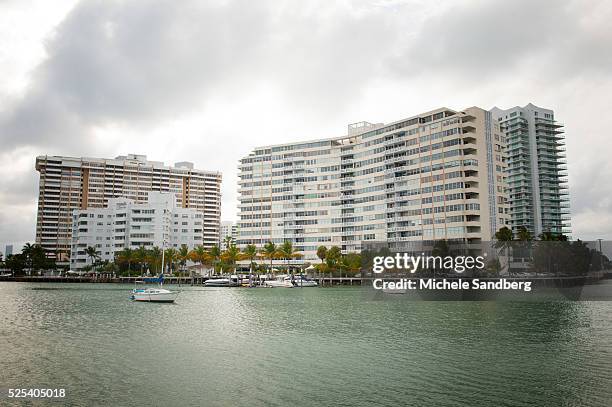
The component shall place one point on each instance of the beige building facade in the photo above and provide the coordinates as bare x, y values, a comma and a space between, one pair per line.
436, 175
69, 183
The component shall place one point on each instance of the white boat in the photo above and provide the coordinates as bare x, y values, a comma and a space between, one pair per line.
154, 295
220, 282
278, 282
157, 294
303, 281
286, 281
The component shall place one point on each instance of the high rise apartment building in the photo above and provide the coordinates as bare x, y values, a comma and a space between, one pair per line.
438, 175
227, 229
69, 183
537, 171
125, 223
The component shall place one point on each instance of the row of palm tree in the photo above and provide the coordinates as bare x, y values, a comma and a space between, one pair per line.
219, 260
332, 260
226, 260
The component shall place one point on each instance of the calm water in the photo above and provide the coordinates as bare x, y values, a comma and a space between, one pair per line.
301, 347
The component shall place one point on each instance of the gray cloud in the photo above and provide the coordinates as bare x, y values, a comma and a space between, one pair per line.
494, 39
139, 65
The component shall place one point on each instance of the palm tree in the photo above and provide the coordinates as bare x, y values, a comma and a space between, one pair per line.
270, 251
523, 234
126, 256
39, 257
28, 251
141, 256
321, 253
288, 252
228, 241
504, 239
170, 257
93, 255
154, 257
250, 252
332, 258
351, 263
230, 256
183, 255
215, 255
198, 255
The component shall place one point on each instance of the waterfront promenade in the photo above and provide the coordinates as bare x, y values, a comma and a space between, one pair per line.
540, 281
108, 278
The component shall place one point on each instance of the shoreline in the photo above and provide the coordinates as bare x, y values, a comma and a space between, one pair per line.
546, 281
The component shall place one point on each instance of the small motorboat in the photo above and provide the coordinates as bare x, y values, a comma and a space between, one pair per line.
303, 281
278, 282
221, 282
286, 281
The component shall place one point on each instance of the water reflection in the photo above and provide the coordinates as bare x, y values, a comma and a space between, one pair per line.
220, 346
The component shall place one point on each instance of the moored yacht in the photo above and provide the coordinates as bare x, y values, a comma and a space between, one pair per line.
221, 282
153, 295
279, 281
286, 281
303, 281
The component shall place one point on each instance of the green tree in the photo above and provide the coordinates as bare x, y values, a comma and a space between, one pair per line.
250, 252
523, 234
332, 259
228, 241
552, 237
182, 256
503, 242
215, 255
288, 252
170, 258
199, 255
230, 256
141, 257
321, 253
27, 252
125, 257
503, 235
270, 251
16, 263
93, 255
351, 263
40, 261
154, 257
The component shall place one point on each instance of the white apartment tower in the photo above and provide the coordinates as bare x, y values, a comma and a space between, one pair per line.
125, 223
537, 171
69, 183
437, 175
227, 229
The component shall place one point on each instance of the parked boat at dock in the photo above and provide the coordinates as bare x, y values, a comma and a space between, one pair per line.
221, 282
286, 281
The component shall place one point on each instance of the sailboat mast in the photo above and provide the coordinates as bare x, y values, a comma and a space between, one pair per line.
164, 236
162, 265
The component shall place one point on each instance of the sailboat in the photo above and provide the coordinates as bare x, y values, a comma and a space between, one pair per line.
154, 294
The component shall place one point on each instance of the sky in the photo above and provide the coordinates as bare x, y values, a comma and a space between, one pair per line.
208, 81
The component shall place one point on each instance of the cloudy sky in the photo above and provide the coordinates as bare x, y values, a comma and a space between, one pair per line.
205, 81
